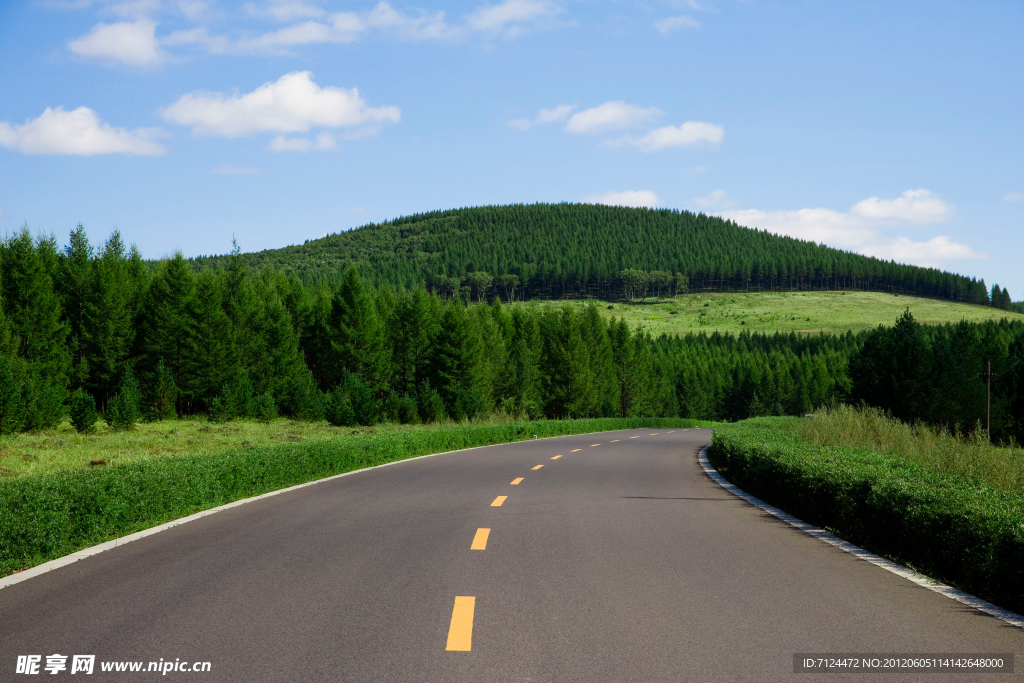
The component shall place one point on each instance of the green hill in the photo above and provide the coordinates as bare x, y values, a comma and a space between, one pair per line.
573, 250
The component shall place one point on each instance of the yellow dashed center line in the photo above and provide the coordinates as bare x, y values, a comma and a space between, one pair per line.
672, 432
654, 434
460, 633
594, 444
575, 449
517, 481
634, 437
613, 441
556, 457
498, 501
537, 467
480, 540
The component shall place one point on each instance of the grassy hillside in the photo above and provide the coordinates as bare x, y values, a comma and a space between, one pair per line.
572, 250
800, 312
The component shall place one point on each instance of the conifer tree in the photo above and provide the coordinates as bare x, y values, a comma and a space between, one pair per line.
33, 307
73, 283
12, 407
108, 321
210, 359
164, 320
83, 412
125, 409
358, 340
163, 394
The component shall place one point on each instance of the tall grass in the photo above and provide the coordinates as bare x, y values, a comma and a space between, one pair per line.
971, 456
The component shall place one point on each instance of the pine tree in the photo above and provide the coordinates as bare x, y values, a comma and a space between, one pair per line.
108, 320
83, 412
163, 394
210, 359
164, 321
125, 409
358, 334
75, 275
33, 307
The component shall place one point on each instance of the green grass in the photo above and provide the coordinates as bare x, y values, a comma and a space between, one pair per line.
970, 456
800, 312
45, 515
64, 449
954, 528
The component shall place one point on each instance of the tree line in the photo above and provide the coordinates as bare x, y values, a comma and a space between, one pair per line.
91, 331
585, 250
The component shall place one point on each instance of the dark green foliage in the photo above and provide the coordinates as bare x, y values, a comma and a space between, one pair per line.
364, 406
83, 412
562, 250
955, 530
125, 409
265, 407
163, 394
53, 515
338, 410
222, 406
12, 405
302, 399
429, 403
44, 404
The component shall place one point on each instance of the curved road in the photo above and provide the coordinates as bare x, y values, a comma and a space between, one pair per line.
617, 561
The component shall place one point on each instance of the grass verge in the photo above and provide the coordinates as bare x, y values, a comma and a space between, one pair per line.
960, 531
46, 516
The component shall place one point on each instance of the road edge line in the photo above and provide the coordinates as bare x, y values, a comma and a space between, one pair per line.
71, 558
977, 603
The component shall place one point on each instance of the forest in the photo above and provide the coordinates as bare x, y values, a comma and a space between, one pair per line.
586, 250
99, 331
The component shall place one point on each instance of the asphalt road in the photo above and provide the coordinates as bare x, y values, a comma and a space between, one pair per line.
618, 561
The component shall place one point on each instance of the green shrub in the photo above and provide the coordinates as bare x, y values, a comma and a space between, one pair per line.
83, 412
429, 404
43, 404
163, 395
265, 407
125, 409
955, 529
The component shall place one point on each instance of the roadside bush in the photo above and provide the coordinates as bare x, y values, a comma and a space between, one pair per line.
958, 530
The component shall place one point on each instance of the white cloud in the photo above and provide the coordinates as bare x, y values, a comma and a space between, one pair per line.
128, 42
225, 169
323, 142
861, 228
512, 17
913, 206
635, 198
79, 132
689, 133
133, 9
610, 116
559, 113
348, 27
669, 24
285, 10
292, 104
1014, 197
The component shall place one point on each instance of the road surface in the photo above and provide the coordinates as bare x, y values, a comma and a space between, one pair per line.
606, 557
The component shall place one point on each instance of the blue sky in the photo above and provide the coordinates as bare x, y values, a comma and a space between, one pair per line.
892, 129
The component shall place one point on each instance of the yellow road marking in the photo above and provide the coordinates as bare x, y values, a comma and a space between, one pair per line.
480, 540
537, 467
460, 633
594, 444
517, 481
556, 457
634, 437
672, 432
498, 501
654, 434
575, 449
613, 441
